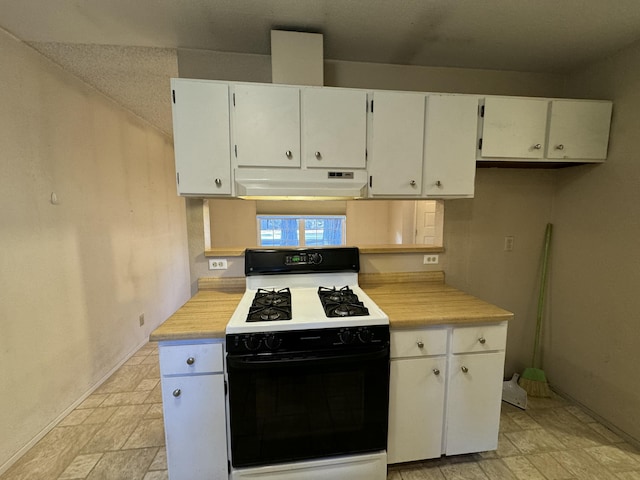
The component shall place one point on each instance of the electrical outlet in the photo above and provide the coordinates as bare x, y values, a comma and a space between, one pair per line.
141, 319
508, 243
430, 260
217, 264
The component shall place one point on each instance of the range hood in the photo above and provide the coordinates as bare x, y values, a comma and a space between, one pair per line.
258, 183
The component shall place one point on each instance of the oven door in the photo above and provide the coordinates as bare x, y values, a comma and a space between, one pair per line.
286, 407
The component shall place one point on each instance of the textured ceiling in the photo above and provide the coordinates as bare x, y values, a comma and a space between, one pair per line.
523, 35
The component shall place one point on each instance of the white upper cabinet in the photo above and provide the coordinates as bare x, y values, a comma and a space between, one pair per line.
201, 137
334, 127
450, 145
579, 129
267, 125
514, 127
396, 146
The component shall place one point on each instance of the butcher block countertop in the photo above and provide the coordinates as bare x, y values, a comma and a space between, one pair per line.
411, 300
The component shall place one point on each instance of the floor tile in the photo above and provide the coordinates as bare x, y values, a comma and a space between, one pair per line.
125, 398
522, 468
579, 413
157, 475
100, 415
582, 465
523, 420
463, 471
614, 458
148, 433
155, 411
605, 432
80, 467
114, 432
123, 465
496, 470
76, 417
535, 441
49, 458
505, 447
549, 466
125, 379
147, 384
93, 401
419, 472
629, 475
160, 460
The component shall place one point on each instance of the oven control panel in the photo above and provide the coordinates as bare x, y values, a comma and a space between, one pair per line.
307, 340
303, 258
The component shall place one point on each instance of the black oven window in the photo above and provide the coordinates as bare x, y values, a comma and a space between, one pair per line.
293, 413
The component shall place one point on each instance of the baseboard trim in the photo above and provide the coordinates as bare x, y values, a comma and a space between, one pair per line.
621, 433
16, 456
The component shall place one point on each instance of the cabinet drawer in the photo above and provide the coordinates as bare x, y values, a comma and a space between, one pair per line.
191, 358
418, 343
481, 338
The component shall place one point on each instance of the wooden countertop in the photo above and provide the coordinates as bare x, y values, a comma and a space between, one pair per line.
418, 299
411, 300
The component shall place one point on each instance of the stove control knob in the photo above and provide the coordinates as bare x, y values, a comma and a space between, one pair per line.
365, 335
252, 342
272, 341
315, 258
345, 336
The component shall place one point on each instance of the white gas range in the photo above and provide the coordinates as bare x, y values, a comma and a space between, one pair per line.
308, 369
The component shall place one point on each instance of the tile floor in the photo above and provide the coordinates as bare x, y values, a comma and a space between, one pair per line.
117, 434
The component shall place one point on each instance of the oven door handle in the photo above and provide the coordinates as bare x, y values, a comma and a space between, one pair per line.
284, 360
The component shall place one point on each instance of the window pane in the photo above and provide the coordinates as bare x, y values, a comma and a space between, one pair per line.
285, 231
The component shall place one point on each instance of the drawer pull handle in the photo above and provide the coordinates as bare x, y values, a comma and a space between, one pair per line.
191, 361
537, 146
464, 369
288, 154
482, 340
420, 344
436, 371
177, 392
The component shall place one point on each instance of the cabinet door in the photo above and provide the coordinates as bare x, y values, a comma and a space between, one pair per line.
397, 140
514, 127
579, 129
450, 145
201, 137
267, 125
334, 128
195, 430
416, 406
473, 402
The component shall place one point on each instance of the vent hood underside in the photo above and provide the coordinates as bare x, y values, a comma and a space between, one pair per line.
284, 182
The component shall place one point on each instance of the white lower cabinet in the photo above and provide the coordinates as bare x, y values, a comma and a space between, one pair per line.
473, 402
416, 403
445, 391
193, 398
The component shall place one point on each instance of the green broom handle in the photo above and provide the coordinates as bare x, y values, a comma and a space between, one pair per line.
543, 288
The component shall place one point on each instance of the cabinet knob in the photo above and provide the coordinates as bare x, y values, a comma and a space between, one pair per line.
560, 147
464, 369
436, 371
191, 361
537, 146
438, 183
412, 183
482, 340
177, 392
288, 154
318, 155
420, 344
218, 182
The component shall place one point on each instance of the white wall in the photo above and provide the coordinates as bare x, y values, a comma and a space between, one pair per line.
592, 350
75, 276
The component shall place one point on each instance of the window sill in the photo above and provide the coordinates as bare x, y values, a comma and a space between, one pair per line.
366, 249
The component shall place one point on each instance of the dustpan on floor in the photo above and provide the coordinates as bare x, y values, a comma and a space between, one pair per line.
513, 393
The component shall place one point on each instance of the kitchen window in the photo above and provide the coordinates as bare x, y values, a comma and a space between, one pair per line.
301, 230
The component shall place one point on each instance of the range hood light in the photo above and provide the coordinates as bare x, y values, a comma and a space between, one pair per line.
293, 197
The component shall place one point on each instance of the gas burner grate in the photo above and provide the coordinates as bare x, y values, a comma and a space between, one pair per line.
341, 302
270, 305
